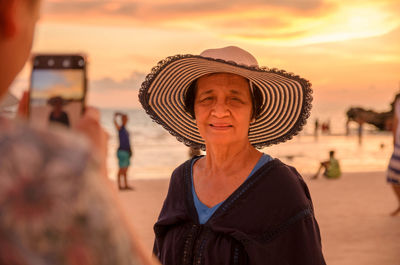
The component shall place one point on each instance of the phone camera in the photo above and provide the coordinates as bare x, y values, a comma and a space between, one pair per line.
66, 63
81, 62
50, 62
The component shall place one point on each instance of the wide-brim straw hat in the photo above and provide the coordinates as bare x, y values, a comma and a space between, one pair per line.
286, 97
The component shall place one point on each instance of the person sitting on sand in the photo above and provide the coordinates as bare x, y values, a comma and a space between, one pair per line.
124, 151
331, 166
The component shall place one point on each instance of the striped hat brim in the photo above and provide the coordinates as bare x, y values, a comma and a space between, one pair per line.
286, 98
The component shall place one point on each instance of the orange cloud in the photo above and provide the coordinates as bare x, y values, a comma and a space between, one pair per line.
133, 82
340, 46
273, 22
174, 13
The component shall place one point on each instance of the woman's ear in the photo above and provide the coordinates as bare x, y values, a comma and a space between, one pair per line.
8, 18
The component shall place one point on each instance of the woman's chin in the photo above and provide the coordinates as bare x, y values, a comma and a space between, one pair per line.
219, 140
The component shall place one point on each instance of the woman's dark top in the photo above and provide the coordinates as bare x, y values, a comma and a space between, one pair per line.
269, 219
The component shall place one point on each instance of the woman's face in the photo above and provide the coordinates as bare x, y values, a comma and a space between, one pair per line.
124, 119
223, 108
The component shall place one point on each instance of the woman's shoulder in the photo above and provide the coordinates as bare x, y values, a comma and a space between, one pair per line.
281, 170
60, 137
26, 146
177, 202
46, 175
284, 181
184, 170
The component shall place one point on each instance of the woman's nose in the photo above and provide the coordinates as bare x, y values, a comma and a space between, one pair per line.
220, 109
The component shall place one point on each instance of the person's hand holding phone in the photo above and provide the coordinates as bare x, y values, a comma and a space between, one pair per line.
90, 126
58, 89
23, 106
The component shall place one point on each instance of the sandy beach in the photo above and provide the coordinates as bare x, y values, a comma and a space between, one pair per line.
353, 214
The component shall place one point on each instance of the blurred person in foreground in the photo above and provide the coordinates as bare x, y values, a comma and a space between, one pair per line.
331, 167
124, 152
235, 205
56, 205
393, 172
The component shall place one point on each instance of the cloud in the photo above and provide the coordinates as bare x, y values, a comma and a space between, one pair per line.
275, 22
237, 18
160, 11
133, 82
72, 6
171, 7
215, 6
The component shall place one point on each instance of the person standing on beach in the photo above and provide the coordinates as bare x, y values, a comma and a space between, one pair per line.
124, 151
316, 128
56, 203
235, 205
393, 172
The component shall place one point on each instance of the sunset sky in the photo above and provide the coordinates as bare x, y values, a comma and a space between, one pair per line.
349, 50
49, 83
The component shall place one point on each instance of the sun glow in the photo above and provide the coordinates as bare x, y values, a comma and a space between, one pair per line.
346, 23
337, 45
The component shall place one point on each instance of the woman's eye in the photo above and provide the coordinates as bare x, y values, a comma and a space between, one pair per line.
236, 99
206, 99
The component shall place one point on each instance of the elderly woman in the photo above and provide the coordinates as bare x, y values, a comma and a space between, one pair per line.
235, 205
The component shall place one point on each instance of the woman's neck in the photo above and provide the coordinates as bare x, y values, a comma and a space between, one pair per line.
228, 159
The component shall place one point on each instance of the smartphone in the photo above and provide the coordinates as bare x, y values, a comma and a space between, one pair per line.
57, 89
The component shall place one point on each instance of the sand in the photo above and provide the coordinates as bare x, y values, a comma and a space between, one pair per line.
353, 214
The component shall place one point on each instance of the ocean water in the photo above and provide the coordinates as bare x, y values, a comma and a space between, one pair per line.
157, 153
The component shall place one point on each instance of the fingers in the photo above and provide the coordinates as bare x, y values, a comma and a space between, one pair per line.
89, 126
93, 113
23, 106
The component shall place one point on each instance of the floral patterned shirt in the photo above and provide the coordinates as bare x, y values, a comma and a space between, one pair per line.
54, 205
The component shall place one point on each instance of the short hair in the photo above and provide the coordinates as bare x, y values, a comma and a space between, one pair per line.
255, 94
331, 153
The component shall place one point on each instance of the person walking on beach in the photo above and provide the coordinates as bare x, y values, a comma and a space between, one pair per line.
235, 205
316, 128
393, 172
331, 166
56, 204
124, 151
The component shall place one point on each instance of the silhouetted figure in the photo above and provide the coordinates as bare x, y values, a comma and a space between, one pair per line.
316, 128
360, 132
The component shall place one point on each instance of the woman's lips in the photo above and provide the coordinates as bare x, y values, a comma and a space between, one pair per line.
221, 126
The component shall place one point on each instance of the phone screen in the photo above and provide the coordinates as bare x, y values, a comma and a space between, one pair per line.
57, 90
